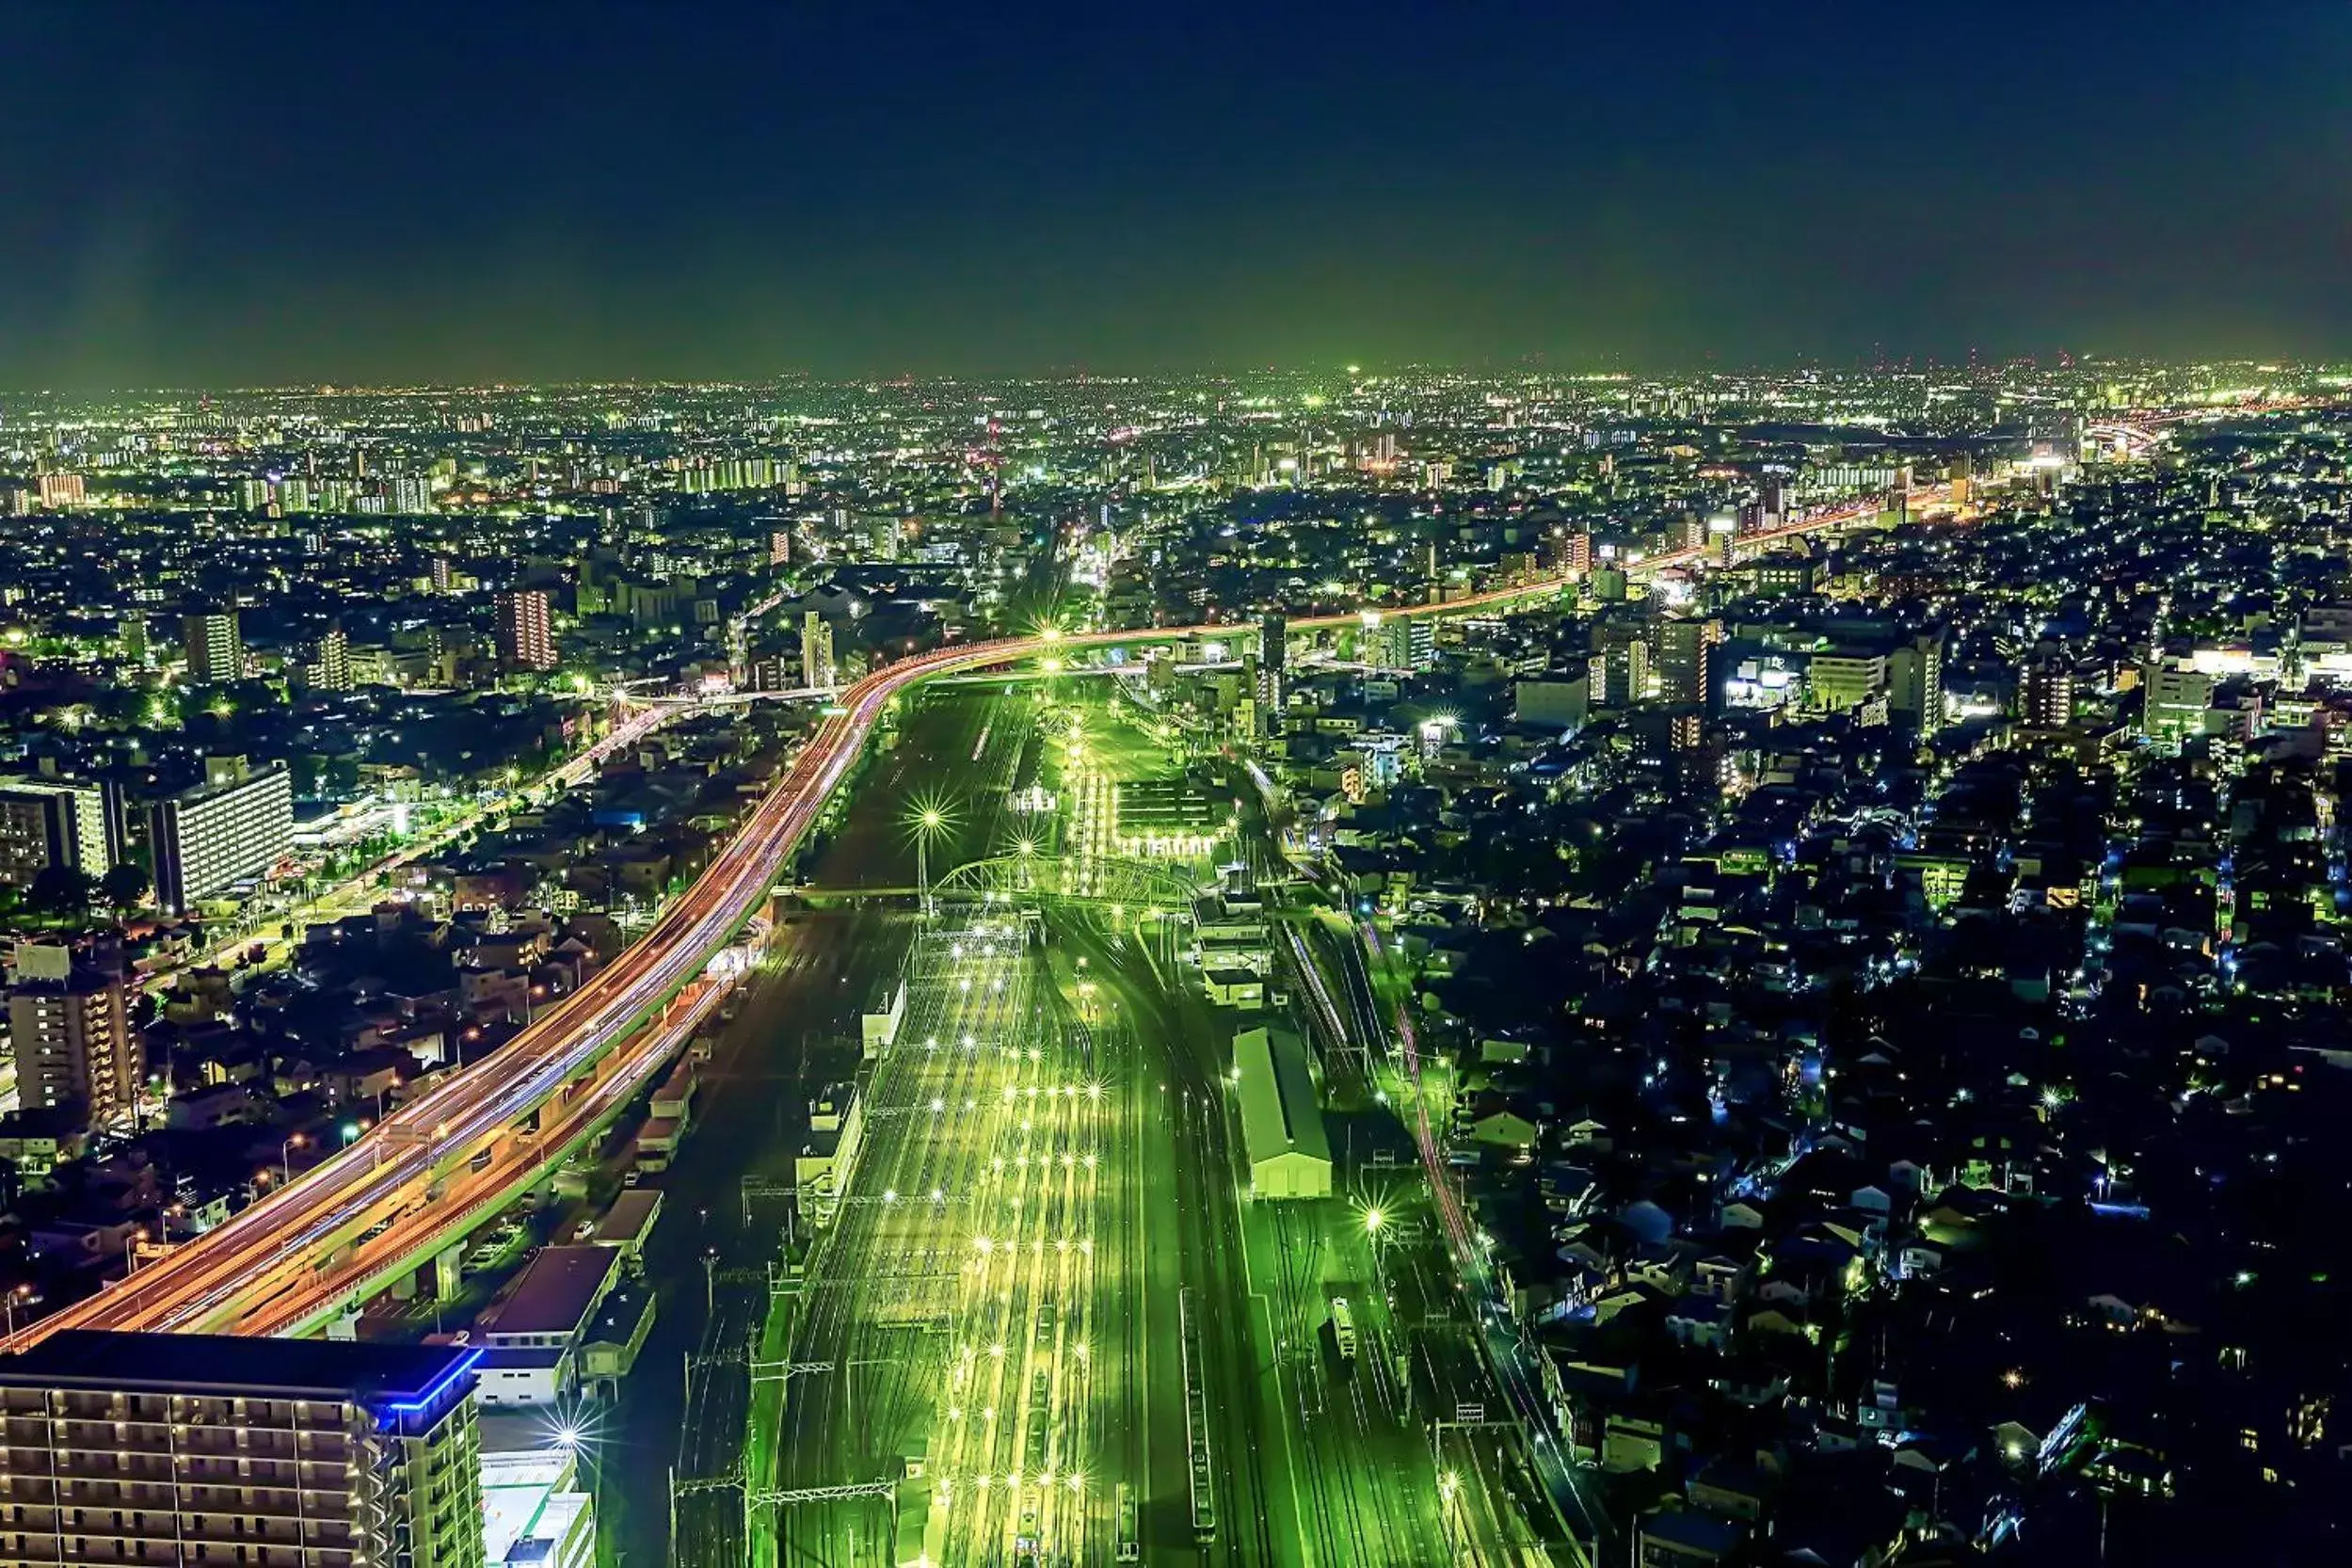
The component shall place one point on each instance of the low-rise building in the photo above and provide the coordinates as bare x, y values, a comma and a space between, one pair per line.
533, 1338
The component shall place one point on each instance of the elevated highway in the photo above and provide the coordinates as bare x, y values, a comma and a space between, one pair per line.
414, 1186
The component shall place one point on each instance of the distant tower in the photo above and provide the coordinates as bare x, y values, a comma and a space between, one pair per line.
995, 459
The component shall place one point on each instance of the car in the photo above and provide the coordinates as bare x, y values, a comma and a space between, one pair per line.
632, 1179
584, 1229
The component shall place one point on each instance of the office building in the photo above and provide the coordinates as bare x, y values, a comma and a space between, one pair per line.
48, 821
525, 640
272, 1453
71, 1034
214, 650
2178, 701
1838, 679
236, 825
1554, 702
816, 651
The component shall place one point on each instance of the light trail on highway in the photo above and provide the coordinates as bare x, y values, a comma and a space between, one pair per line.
288, 1261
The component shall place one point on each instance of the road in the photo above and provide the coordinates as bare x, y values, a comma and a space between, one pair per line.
362, 888
815, 976
294, 1259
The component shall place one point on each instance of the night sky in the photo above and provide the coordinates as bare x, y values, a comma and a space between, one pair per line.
229, 194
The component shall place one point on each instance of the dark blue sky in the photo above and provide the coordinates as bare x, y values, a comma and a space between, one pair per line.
232, 193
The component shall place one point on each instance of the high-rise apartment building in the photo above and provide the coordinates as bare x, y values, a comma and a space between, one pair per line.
236, 824
1621, 666
2045, 695
1274, 652
1682, 659
816, 650
63, 489
49, 822
213, 1449
214, 650
328, 668
71, 1034
1398, 642
525, 641
1915, 681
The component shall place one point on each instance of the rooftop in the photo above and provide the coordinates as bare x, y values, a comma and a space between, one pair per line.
1278, 1110
228, 1364
556, 1292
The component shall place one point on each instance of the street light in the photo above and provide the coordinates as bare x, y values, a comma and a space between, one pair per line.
931, 819
24, 1294
286, 1154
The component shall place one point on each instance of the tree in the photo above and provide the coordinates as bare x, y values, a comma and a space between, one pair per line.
125, 883
61, 891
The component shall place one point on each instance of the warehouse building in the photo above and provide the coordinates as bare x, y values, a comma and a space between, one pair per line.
1281, 1126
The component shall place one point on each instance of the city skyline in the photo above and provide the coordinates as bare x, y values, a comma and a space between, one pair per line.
1282, 925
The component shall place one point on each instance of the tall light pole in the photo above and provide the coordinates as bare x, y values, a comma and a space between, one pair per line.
930, 819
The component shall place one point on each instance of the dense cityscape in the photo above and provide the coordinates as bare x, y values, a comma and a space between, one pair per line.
1360, 965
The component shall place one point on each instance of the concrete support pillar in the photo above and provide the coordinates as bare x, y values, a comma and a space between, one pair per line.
447, 1275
